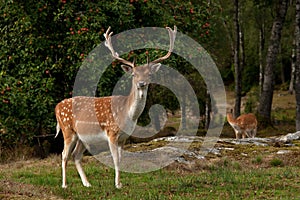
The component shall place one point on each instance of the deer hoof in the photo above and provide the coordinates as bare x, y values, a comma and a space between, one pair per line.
119, 186
87, 184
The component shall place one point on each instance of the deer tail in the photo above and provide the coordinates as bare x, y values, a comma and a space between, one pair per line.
57, 130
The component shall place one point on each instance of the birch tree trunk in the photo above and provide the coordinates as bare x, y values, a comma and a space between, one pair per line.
266, 98
260, 54
242, 56
282, 75
237, 66
297, 65
293, 61
242, 46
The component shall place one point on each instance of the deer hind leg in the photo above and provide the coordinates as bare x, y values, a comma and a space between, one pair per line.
113, 145
77, 154
70, 139
254, 131
249, 133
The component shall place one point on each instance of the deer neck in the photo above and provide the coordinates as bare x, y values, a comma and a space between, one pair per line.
230, 118
136, 102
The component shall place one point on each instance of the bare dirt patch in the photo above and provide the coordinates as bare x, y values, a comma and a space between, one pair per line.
15, 190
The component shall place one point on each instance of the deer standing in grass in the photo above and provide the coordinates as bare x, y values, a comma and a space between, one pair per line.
88, 121
245, 124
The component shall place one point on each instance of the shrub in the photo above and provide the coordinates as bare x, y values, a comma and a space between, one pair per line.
257, 160
44, 43
276, 162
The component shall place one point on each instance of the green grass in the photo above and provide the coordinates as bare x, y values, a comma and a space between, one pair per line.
257, 160
276, 162
225, 181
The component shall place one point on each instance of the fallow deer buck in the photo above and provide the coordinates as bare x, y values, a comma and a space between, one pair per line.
85, 121
245, 124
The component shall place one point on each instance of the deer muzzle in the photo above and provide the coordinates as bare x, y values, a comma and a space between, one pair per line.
141, 84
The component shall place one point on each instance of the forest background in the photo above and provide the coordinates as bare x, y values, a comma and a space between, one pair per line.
255, 45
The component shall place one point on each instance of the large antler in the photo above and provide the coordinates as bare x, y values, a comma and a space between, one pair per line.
172, 35
108, 44
115, 55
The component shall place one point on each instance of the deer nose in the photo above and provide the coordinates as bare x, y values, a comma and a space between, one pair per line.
141, 84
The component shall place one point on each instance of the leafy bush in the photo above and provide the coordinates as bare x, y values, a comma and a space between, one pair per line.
43, 44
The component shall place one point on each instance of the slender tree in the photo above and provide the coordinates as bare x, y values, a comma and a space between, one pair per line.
260, 23
242, 47
208, 110
260, 54
293, 63
266, 98
297, 65
237, 64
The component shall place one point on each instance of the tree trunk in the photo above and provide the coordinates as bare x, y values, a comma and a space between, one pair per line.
266, 98
156, 122
293, 61
297, 65
260, 54
237, 66
282, 75
208, 110
183, 114
242, 47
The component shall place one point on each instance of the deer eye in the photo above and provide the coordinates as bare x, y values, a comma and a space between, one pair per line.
135, 75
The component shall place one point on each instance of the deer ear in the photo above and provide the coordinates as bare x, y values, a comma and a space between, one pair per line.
127, 69
154, 67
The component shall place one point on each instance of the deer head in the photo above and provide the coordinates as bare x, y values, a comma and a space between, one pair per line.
141, 77
141, 74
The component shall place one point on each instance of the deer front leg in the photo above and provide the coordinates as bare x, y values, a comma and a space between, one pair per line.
236, 134
113, 145
120, 149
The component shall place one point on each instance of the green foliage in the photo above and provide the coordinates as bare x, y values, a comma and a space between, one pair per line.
250, 77
43, 44
252, 99
276, 162
255, 16
258, 160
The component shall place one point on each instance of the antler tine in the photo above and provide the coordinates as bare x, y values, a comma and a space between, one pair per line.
172, 35
114, 54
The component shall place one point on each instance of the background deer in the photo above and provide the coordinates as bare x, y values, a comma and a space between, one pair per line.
88, 121
245, 124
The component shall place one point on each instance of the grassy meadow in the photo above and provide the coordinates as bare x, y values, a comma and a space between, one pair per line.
239, 172
259, 175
